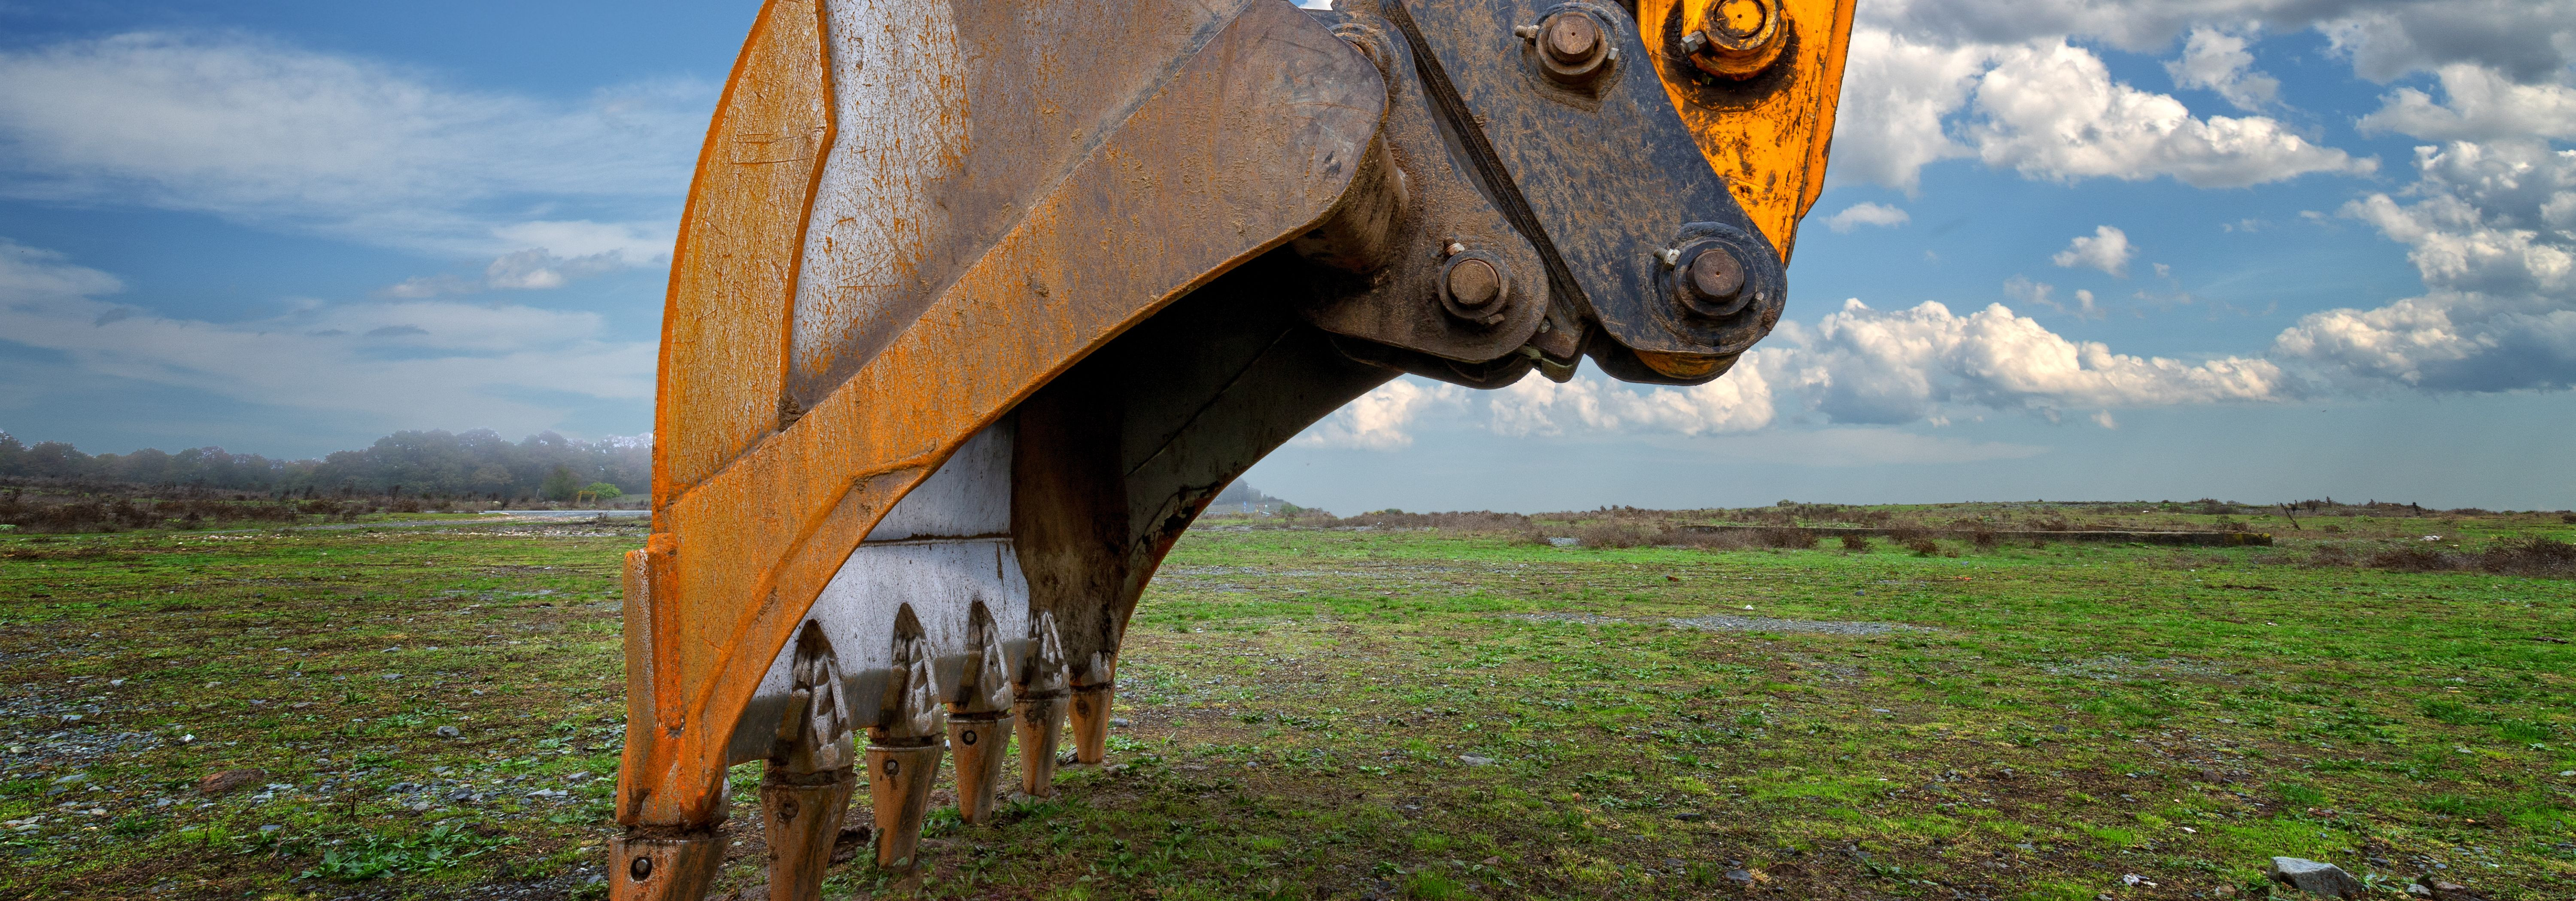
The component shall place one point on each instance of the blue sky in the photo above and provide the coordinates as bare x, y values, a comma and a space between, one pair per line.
2257, 249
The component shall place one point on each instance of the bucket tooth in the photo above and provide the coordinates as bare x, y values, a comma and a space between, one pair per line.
1041, 703
978, 717
904, 746
899, 782
807, 782
1091, 709
801, 819
983, 744
665, 866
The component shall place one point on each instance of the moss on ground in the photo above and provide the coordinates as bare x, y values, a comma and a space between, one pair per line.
1344, 714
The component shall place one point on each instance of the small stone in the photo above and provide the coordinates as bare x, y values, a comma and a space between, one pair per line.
1741, 877
2313, 877
2452, 891
1475, 760
1690, 816
2417, 889
228, 781
450, 732
72, 780
1118, 721
272, 827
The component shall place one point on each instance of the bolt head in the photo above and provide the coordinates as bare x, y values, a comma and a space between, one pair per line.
1572, 38
1737, 38
1474, 282
1716, 275
640, 869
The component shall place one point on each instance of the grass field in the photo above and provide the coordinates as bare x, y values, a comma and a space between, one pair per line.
1336, 713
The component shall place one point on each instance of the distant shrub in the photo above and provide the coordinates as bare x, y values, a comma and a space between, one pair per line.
1984, 540
1855, 542
1612, 535
1923, 547
1789, 538
2408, 558
2534, 556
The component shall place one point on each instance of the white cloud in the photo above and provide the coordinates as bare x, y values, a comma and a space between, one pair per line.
280, 137
2051, 111
414, 363
1379, 419
1896, 92
2528, 40
2043, 294
2492, 232
1862, 365
2216, 61
1739, 401
1860, 214
2478, 104
2106, 249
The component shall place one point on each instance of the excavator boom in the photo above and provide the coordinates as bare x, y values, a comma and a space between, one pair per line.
975, 307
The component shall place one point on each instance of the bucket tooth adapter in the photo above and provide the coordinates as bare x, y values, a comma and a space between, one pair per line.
975, 307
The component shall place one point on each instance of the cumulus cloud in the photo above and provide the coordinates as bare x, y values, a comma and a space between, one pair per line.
1896, 93
1856, 367
1379, 420
2051, 111
2217, 61
1862, 365
276, 136
410, 362
1738, 402
2478, 104
2106, 249
2492, 231
2527, 40
1860, 214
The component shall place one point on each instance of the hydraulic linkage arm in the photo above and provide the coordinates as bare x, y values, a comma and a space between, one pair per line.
976, 305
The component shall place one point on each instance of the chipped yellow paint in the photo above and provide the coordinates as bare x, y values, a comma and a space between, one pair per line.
1772, 150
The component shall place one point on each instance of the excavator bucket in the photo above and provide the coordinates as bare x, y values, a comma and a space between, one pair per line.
975, 307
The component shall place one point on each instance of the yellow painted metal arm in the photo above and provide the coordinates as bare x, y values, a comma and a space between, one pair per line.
1768, 130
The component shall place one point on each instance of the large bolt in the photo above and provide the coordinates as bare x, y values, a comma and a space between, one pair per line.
1572, 49
1474, 283
1713, 283
641, 869
1737, 38
1572, 39
1475, 286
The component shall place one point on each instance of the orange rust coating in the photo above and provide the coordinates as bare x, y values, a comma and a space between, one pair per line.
1253, 140
721, 375
1771, 152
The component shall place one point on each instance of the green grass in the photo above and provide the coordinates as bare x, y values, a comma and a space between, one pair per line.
1302, 701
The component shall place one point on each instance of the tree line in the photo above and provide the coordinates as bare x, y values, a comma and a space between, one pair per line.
431, 464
